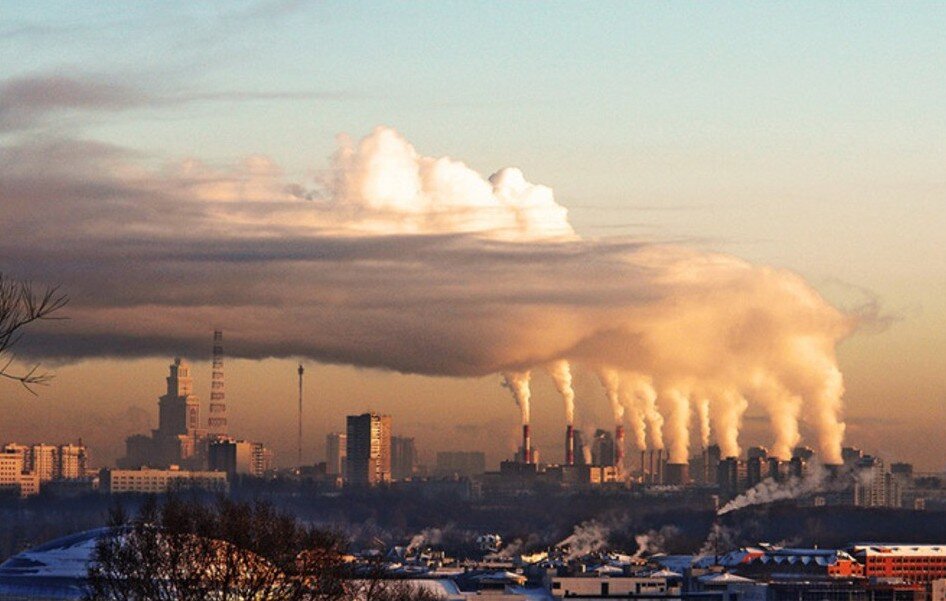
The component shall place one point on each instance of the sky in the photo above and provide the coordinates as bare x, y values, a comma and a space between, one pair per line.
807, 137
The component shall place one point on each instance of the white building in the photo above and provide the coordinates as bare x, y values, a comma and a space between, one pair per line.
72, 462
148, 480
45, 461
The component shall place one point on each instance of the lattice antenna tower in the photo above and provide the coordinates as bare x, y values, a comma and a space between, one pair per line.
217, 424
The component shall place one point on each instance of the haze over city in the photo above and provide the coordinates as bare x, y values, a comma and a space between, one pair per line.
412, 200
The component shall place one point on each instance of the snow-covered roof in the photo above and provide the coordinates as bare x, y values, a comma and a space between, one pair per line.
722, 578
890, 549
677, 563
786, 556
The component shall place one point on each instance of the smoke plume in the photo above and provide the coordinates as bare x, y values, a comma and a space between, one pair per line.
678, 424
729, 408
562, 375
653, 541
518, 383
611, 383
395, 260
770, 491
587, 537
426, 538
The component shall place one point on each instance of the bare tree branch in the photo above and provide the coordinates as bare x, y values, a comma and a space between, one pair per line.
20, 306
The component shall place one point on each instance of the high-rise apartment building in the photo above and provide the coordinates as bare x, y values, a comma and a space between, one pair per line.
238, 457
51, 462
24, 451
13, 478
335, 453
45, 461
73, 462
368, 449
403, 457
875, 487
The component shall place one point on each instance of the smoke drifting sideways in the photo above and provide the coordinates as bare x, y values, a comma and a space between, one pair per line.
399, 261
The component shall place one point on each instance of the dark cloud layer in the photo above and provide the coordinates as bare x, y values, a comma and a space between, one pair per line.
402, 262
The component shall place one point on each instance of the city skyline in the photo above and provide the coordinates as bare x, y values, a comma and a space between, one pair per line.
841, 187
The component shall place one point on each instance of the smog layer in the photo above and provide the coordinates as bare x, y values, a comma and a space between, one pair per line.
399, 261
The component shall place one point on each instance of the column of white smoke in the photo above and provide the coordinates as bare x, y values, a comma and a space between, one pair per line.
678, 424
610, 380
824, 400
769, 491
728, 409
634, 406
703, 414
783, 408
518, 383
643, 391
826, 416
562, 376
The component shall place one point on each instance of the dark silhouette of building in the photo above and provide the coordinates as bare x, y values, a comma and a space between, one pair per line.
403, 457
602, 448
368, 449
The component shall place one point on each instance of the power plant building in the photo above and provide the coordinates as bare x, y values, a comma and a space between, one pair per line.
368, 449
603, 450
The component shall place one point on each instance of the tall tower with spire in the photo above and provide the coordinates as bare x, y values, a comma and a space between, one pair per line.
179, 409
179, 428
217, 418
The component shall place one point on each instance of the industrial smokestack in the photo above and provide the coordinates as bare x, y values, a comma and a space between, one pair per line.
643, 467
526, 444
619, 446
569, 445
651, 470
660, 466
706, 469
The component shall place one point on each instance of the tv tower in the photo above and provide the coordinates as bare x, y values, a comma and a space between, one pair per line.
217, 418
301, 371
